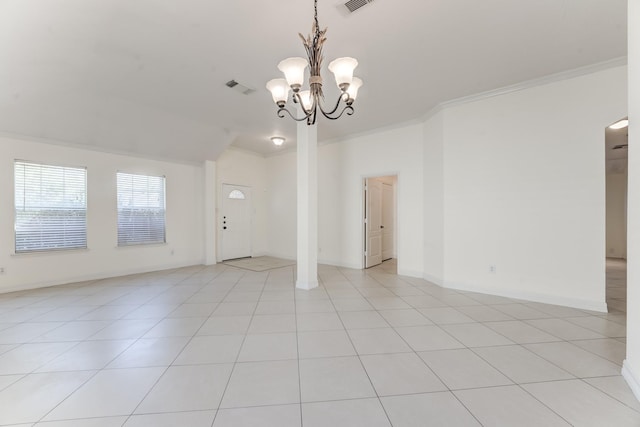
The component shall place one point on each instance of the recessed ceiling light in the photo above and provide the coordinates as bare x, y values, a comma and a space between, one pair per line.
620, 124
277, 140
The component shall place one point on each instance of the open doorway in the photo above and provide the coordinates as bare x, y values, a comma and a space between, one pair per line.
616, 146
380, 223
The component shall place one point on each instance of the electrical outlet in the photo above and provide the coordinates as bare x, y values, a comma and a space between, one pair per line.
1, 270
492, 269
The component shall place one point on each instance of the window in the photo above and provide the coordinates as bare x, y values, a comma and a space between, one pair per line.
236, 194
51, 207
141, 209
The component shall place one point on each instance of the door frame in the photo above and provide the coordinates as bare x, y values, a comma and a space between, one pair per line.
219, 215
362, 211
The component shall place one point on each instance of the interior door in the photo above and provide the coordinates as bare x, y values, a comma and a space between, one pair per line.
236, 221
387, 221
373, 222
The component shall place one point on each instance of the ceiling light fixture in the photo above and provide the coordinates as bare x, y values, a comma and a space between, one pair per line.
277, 140
310, 100
620, 124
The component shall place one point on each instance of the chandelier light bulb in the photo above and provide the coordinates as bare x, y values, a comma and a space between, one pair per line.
307, 99
279, 91
342, 69
293, 69
352, 91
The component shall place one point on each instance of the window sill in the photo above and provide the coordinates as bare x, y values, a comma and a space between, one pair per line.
49, 252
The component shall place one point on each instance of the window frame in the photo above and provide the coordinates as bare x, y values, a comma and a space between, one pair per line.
120, 244
46, 250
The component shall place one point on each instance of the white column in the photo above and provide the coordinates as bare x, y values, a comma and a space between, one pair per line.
631, 367
307, 259
209, 212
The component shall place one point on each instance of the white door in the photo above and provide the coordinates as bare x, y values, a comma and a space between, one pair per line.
373, 222
236, 221
387, 221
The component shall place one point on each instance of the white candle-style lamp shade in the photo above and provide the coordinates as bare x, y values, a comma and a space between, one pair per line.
293, 69
352, 91
307, 100
342, 69
279, 91
277, 140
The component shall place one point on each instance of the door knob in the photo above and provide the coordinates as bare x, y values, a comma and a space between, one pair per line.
382, 226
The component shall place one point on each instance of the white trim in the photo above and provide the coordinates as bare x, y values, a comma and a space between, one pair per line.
341, 264
583, 304
433, 279
409, 273
97, 149
528, 84
632, 380
306, 285
98, 276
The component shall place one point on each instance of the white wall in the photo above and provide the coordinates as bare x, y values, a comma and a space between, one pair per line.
524, 190
434, 199
631, 368
616, 215
239, 167
281, 206
184, 219
341, 170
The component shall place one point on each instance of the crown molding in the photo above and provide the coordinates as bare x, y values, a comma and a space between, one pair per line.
78, 146
528, 84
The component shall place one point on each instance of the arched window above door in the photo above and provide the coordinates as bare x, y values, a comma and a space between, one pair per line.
237, 194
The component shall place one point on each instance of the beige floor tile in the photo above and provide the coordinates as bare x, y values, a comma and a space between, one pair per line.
462, 368
334, 378
187, 388
264, 416
508, 406
401, 373
582, 404
345, 413
436, 409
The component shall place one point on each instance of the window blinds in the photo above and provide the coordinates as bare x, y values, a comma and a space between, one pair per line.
141, 209
50, 207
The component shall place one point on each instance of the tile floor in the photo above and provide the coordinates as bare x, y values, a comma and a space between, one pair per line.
220, 346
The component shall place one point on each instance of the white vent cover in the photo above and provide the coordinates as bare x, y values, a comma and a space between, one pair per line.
239, 87
353, 5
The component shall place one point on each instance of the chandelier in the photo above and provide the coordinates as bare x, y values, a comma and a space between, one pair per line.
311, 100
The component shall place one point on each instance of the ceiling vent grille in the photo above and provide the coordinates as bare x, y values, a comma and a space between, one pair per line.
353, 5
239, 87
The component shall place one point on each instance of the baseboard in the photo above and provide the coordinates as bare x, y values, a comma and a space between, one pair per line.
96, 276
433, 279
632, 380
280, 255
341, 264
410, 273
599, 306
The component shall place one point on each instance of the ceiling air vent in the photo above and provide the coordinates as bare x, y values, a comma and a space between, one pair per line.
239, 87
353, 5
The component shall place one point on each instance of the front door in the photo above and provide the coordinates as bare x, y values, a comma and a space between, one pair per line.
236, 221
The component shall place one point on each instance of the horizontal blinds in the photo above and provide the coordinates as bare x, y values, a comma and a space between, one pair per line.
141, 209
50, 207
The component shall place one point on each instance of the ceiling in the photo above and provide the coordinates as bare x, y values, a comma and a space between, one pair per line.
148, 76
